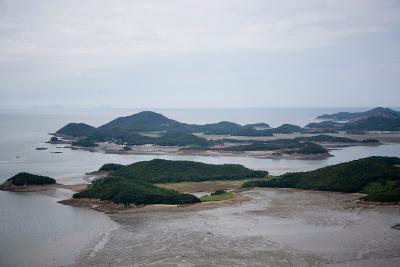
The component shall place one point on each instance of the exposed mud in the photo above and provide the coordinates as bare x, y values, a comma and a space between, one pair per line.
275, 228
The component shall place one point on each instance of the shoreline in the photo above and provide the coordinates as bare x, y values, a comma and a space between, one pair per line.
37, 188
272, 222
175, 151
149, 149
108, 207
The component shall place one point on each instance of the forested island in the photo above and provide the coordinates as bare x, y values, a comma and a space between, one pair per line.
128, 191
378, 177
378, 119
129, 133
24, 179
170, 171
134, 183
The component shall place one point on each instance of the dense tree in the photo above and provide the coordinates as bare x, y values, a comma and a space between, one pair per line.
168, 171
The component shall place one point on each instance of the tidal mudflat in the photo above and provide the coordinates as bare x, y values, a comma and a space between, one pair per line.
274, 228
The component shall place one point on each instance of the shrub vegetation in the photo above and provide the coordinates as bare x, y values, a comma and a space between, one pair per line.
111, 167
377, 176
169, 171
127, 191
25, 178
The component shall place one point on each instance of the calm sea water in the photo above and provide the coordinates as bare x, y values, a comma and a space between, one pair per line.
37, 231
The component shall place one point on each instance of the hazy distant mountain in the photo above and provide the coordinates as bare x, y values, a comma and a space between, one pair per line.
144, 121
135, 130
376, 112
378, 119
258, 126
77, 129
287, 128
374, 124
148, 121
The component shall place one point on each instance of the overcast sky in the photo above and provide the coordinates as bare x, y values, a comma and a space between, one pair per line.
205, 53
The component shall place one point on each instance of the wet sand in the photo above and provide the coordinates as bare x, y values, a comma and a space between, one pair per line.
37, 188
276, 227
110, 148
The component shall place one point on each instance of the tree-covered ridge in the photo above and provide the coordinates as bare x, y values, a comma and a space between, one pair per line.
286, 145
129, 128
374, 124
387, 191
378, 119
131, 138
110, 167
128, 191
334, 139
286, 129
24, 178
257, 126
353, 176
144, 121
169, 171
76, 130
376, 112
367, 124
85, 142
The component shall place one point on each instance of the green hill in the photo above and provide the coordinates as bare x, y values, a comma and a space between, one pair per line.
378, 119
223, 127
168, 171
76, 129
110, 167
353, 176
374, 124
180, 139
144, 121
327, 138
286, 129
125, 191
24, 178
287, 145
127, 128
336, 139
376, 112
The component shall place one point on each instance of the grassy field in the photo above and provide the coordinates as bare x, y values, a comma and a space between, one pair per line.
207, 186
225, 196
150, 134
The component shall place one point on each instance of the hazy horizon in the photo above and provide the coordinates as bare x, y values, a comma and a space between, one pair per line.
207, 54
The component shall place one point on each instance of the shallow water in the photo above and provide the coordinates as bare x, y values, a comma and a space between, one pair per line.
276, 228
34, 224
37, 231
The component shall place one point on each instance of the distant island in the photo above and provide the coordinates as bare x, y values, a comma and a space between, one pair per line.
128, 191
378, 119
128, 134
172, 171
379, 112
134, 183
378, 177
128, 128
24, 179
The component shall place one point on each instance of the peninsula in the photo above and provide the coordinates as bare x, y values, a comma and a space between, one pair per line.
378, 177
